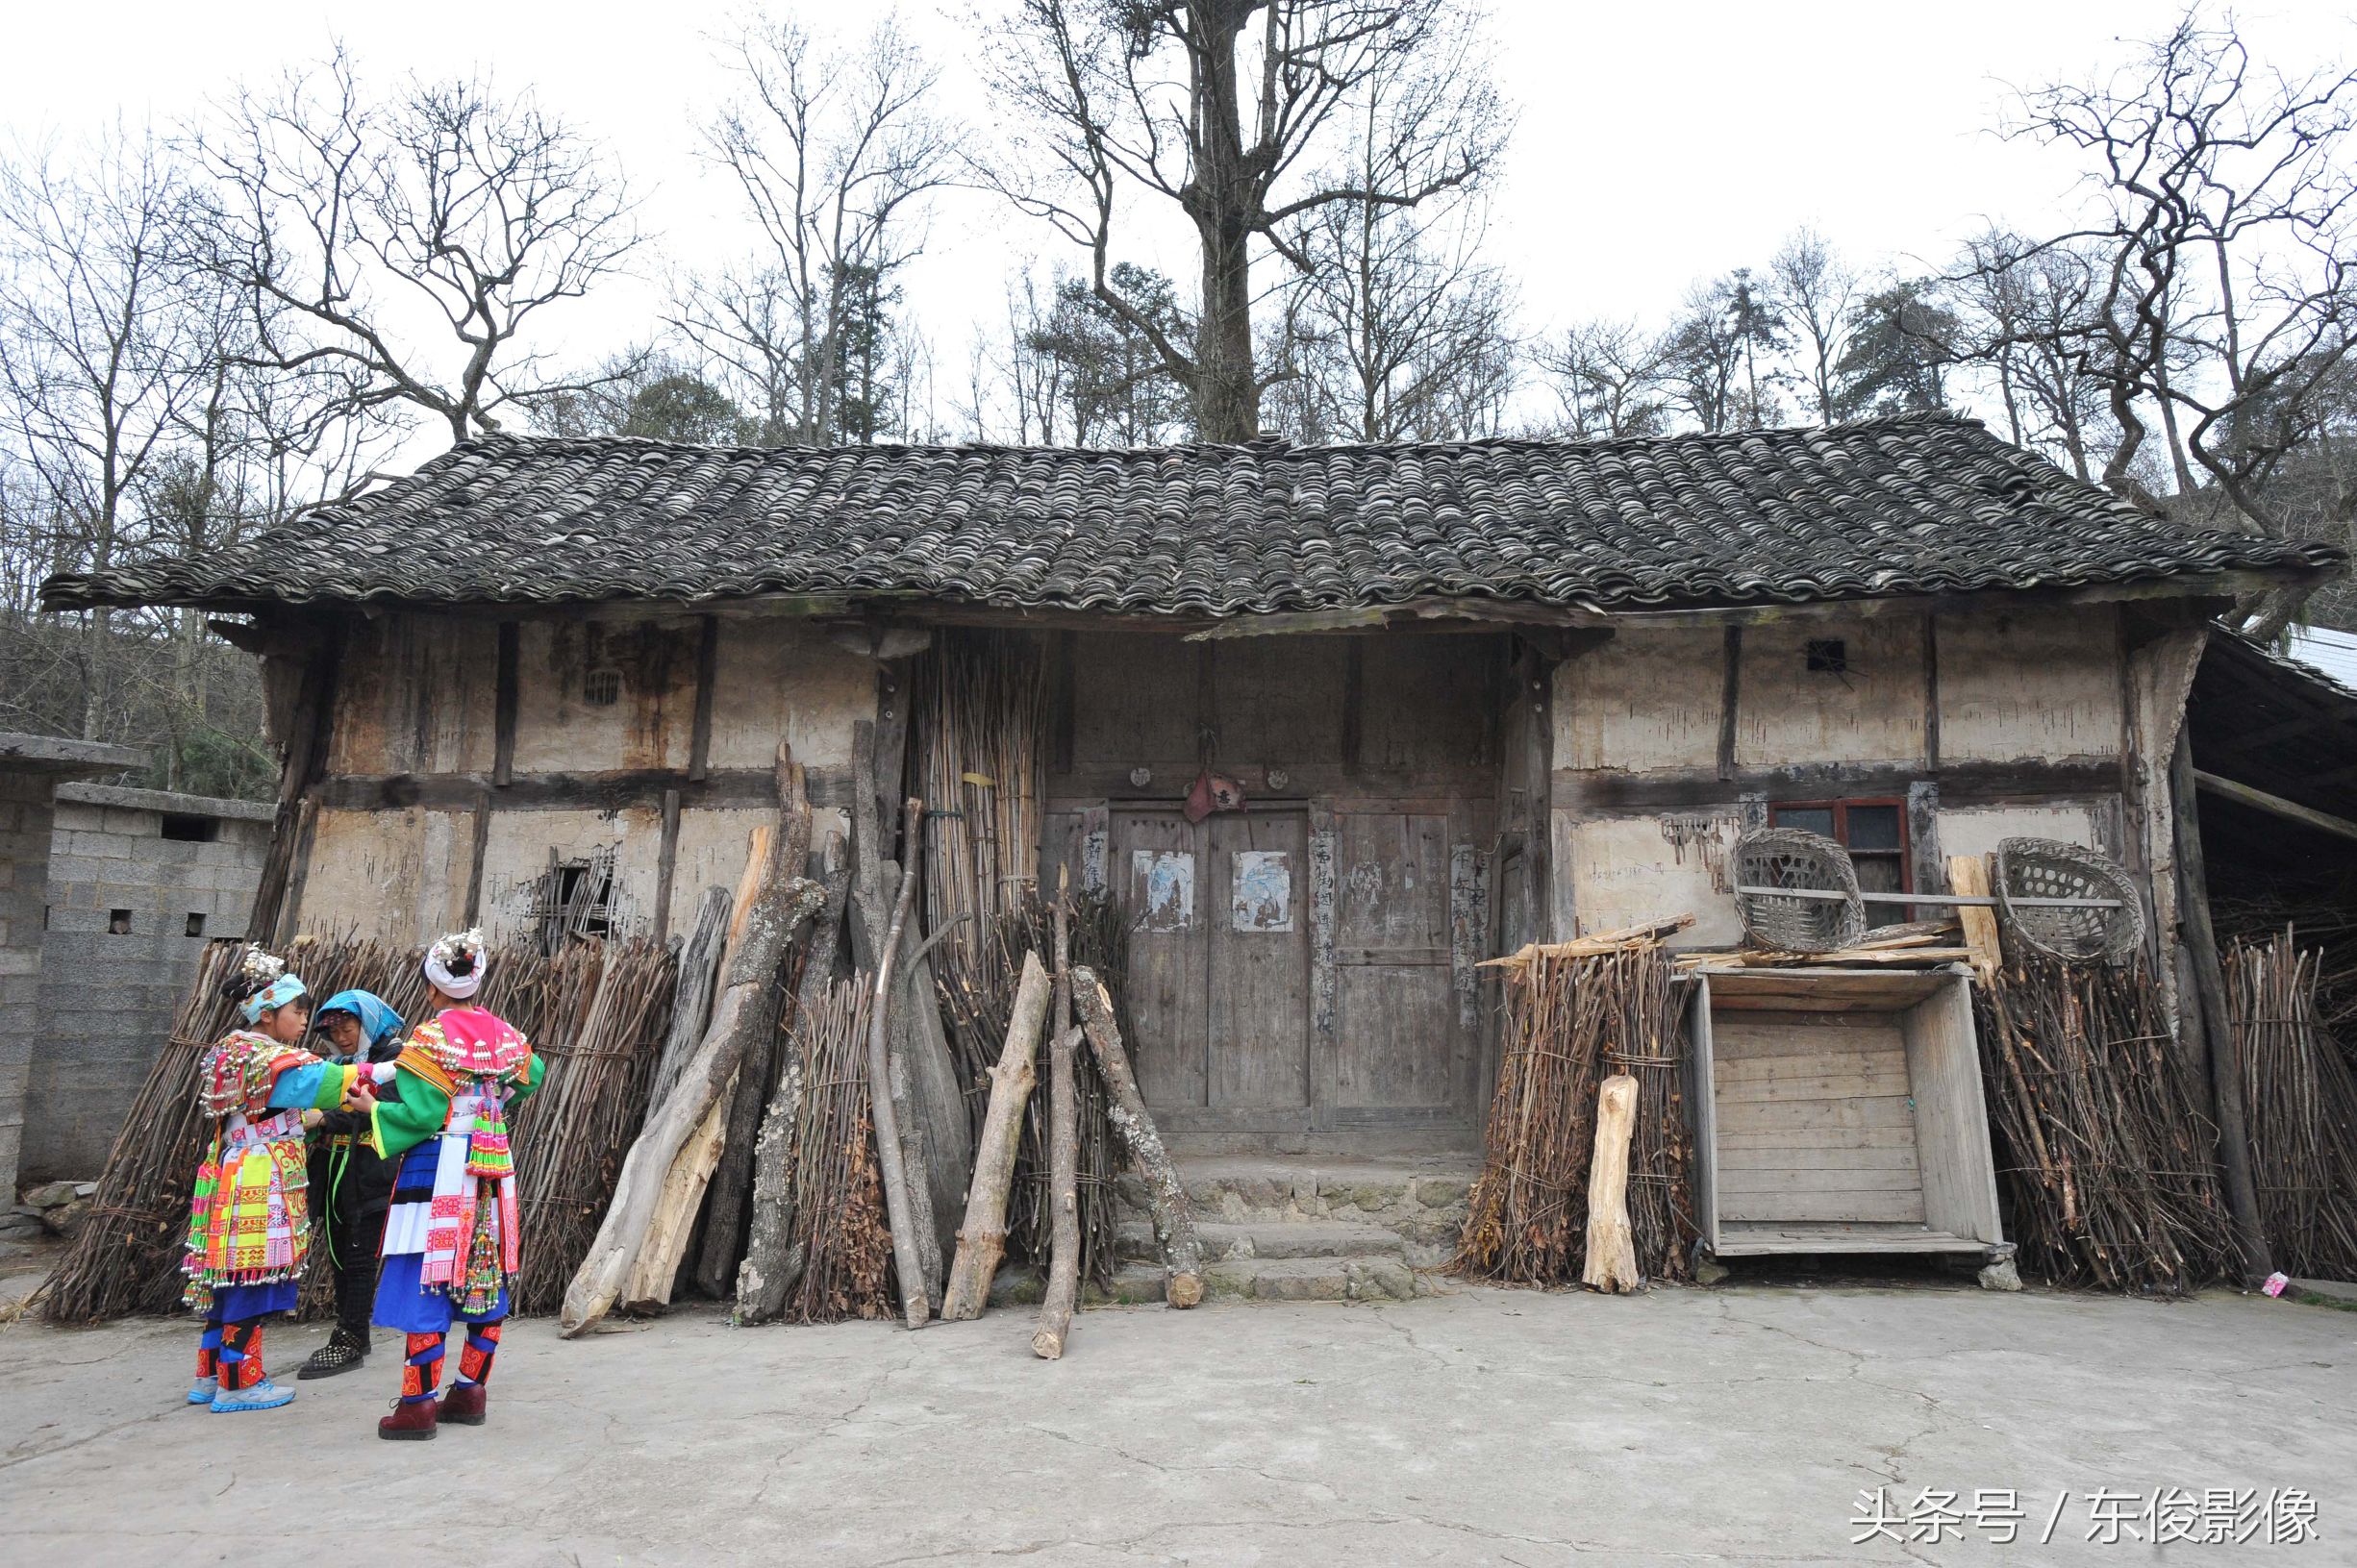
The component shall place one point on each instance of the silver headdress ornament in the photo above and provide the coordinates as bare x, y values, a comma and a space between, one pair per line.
443, 954
261, 967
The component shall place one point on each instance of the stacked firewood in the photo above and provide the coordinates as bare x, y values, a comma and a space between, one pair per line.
2105, 1161
2300, 1107
1580, 1014
595, 1012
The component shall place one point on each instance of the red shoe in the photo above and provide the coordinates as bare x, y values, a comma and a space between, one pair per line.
464, 1404
411, 1421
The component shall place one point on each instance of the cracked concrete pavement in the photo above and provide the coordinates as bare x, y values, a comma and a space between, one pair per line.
1480, 1427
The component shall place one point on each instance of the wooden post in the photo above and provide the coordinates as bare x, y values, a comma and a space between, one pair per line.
915, 1300
982, 1240
2210, 982
1612, 1247
1174, 1219
1062, 1149
1968, 875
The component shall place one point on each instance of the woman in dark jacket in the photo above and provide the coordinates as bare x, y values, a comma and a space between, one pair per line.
356, 1183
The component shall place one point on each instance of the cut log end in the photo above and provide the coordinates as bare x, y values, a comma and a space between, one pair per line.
1184, 1290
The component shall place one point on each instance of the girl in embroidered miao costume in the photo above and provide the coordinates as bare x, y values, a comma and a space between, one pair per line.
452, 1240
249, 1229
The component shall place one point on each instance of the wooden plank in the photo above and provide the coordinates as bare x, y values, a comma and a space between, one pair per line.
707, 684
1731, 685
507, 686
1703, 1092
1836, 1154
1755, 1238
1818, 990
1885, 1206
1399, 1027
1951, 1116
1759, 1141
1752, 1181
1795, 1116
1158, 864
1258, 960
1738, 1088
2276, 804
666, 857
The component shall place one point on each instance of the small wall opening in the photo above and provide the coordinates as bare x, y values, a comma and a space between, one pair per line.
118, 922
574, 899
191, 829
197, 923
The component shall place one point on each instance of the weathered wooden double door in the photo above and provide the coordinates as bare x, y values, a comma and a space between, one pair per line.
1291, 971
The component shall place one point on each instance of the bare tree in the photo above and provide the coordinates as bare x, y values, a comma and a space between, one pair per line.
99, 359
2227, 307
2025, 319
833, 153
1610, 380
347, 223
1813, 297
1220, 107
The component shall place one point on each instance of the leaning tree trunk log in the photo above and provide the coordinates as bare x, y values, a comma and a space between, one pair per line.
606, 1272
2210, 977
730, 1182
771, 1264
1063, 1153
1174, 1219
1612, 1247
982, 1240
900, 1210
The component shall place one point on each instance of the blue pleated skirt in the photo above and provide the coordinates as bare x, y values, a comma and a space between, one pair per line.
235, 1304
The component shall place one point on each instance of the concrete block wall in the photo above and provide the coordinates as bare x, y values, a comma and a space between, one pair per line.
108, 997
24, 862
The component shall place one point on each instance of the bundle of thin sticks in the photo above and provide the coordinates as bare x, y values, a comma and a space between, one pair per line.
127, 1257
1576, 1014
978, 1001
980, 735
839, 1238
2106, 1163
2301, 1106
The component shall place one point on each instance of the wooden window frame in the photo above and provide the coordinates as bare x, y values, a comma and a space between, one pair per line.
1839, 806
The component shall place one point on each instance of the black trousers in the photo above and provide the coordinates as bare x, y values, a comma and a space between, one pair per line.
352, 1201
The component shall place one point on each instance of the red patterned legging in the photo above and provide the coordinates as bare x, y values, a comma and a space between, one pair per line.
421, 1371
230, 1352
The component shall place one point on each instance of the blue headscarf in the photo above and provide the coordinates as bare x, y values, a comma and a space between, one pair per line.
379, 1023
277, 994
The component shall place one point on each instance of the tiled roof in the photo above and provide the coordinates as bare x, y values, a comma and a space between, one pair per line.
1925, 503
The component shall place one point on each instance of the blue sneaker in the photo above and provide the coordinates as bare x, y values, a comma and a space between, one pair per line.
205, 1390
264, 1395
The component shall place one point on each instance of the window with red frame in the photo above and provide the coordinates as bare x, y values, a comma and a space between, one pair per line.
1874, 832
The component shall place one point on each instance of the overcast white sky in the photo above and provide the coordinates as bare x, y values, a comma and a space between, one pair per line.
1659, 141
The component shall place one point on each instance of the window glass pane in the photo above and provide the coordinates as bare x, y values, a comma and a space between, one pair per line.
1878, 874
1810, 818
1874, 827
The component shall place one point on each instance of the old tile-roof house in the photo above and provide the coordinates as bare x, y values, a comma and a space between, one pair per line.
1474, 693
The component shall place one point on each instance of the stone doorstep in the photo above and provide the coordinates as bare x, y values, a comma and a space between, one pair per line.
1135, 1240
1371, 1278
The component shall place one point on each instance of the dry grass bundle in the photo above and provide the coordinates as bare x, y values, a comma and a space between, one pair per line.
840, 1239
2301, 1100
1572, 1018
127, 1256
2106, 1163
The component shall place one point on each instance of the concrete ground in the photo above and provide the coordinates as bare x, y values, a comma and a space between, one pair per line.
1479, 1427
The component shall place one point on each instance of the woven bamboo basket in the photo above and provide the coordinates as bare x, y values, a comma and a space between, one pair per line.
1796, 857
2046, 868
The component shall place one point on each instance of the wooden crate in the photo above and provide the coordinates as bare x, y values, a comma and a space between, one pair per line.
1840, 1110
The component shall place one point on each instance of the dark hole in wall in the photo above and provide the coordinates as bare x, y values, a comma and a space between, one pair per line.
197, 923
191, 829
118, 922
574, 899
602, 688
1828, 655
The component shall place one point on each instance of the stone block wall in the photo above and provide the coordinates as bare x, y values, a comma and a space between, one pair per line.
24, 862
107, 995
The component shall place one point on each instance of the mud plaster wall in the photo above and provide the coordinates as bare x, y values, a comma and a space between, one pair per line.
417, 697
1644, 805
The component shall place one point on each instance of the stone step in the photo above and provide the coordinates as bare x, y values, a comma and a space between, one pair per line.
1423, 1201
1374, 1277
1267, 1238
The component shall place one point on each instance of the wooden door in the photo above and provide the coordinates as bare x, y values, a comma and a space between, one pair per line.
1402, 1050
1218, 966
1259, 970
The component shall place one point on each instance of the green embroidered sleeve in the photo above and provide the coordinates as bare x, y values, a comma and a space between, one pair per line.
408, 1111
